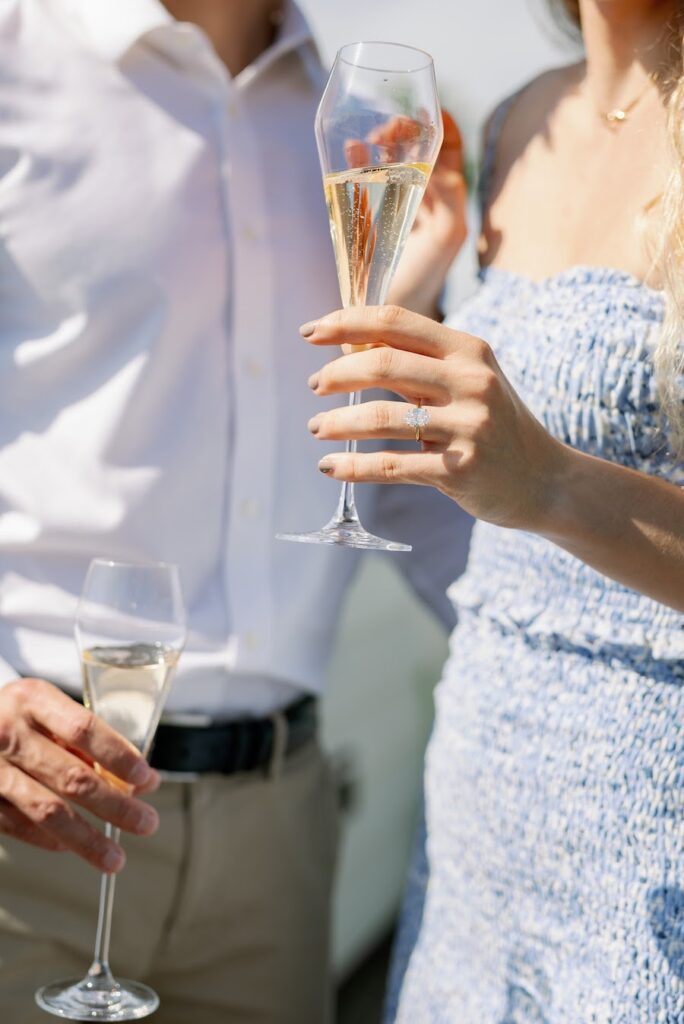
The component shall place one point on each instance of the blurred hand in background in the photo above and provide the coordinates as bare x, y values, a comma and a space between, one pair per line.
439, 231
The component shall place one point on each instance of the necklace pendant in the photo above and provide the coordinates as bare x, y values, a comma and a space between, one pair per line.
615, 117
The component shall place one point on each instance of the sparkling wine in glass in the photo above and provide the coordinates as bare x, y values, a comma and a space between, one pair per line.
130, 631
379, 132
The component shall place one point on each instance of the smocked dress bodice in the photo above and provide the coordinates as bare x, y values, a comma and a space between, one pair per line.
549, 885
578, 349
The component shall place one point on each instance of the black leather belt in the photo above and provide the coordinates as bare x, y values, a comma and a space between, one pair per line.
229, 747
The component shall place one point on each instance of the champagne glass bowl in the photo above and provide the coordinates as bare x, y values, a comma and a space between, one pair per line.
379, 132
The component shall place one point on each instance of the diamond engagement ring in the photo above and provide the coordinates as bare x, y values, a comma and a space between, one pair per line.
417, 417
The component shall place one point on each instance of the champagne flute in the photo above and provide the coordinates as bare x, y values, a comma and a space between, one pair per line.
379, 132
130, 631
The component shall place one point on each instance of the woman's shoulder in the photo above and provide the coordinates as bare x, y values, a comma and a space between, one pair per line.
527, 107
520, 117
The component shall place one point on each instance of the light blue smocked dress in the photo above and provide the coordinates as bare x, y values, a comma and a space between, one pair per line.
551, 886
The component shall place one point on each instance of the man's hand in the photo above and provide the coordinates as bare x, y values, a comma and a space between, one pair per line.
48, 748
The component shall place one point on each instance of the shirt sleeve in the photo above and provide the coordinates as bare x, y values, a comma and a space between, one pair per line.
437, 528
439, 532
7, 673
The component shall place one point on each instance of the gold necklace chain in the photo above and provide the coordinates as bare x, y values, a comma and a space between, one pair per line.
618, 115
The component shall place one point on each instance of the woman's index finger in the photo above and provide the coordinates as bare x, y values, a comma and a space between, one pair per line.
383, 325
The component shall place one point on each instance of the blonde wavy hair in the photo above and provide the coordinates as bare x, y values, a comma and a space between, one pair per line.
669, 351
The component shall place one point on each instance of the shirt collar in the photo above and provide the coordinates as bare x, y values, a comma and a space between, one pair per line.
112, 28
294, 37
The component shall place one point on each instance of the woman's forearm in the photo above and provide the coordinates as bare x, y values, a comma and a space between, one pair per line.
626, 524
421, 295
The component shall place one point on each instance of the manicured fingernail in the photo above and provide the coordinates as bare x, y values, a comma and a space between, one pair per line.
325, 466
113, 860
314, 424
141, 774
306, 330
313, 381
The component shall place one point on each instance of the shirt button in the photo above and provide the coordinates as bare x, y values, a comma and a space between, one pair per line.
254, 368
249, 234
251, 640
232, 109
249, 508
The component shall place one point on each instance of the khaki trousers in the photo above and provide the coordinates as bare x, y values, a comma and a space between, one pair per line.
225, 912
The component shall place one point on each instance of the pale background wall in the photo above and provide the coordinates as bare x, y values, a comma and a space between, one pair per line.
481, 48
377, 715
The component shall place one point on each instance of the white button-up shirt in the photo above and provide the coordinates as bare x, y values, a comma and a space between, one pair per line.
162, 235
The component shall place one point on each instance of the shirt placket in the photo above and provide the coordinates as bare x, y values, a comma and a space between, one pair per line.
249, 500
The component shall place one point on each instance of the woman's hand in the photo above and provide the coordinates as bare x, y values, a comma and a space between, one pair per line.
438, 233
48, 746
485, 449
482, 446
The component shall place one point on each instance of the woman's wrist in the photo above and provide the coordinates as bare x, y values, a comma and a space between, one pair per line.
426, 302
422, 295
580, 496
560, 479
623, 523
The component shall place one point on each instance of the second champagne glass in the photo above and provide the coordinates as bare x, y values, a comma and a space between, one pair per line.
379, 132
130, 631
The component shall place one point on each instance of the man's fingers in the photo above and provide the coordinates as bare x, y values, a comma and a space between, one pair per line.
396, 139
385, 467
15, 824
76, 727
356, 153
397, 130
151, 786
385, 325
47, 811
73, 779
381, 420
405, 373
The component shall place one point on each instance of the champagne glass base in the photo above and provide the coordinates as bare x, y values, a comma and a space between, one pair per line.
346, 535
81, 999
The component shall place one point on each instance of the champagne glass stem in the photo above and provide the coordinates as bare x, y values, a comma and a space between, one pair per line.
346, 509
99, 969
130, 628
